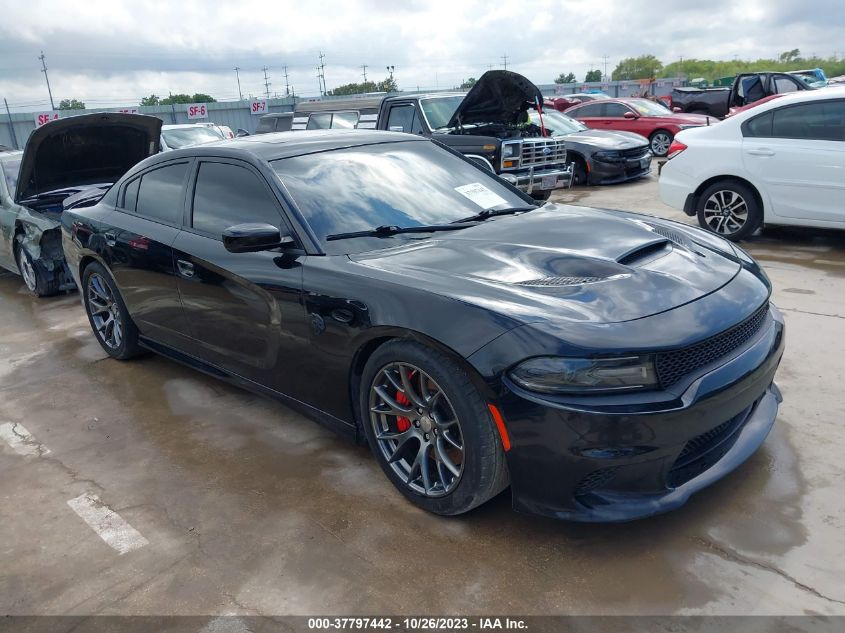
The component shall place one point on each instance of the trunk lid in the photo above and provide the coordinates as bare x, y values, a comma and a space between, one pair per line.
84, 150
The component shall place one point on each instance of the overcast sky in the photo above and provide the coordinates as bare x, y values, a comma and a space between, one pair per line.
112, 52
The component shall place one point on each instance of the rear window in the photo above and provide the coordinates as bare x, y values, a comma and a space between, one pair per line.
161, 193
322, 121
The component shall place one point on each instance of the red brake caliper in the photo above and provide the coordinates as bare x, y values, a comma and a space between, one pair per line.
403, 423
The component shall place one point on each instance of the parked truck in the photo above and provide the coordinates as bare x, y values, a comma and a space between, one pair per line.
745, 89
489, 125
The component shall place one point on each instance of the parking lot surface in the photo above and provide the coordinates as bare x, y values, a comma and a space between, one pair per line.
145, 487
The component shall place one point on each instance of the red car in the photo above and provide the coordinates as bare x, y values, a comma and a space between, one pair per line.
644, 117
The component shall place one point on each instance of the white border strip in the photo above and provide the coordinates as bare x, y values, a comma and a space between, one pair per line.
21, 440
108, 525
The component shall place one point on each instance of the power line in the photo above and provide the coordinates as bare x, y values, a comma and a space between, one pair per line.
323, 72
505, 61
237, 74
605, 58
44, 70
287, 85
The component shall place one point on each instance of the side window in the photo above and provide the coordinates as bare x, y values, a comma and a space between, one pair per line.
161, 193
321, 121
822, 121
226, 195
615, 110
589, 110
784, 85
401, 118
130, 195
344, 120
759, 126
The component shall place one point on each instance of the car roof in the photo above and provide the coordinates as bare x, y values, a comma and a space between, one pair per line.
279, 145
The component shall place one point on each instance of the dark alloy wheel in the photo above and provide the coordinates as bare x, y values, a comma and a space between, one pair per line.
430, 430
729, 209
107, 314
660, 142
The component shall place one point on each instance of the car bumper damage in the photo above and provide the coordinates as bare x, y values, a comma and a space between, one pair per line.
609, 461
45, 249
605, 171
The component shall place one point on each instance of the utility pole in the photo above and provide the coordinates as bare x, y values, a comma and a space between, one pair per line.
323, 72
319, 81
681, 68
364, 68
44, 70
237, 74
287, 85
605, 58
11, 124
505, 61
266, 82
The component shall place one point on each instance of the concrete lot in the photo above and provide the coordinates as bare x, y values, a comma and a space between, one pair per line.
241, 506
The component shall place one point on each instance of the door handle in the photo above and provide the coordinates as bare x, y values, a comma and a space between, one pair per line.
761, 152
186, 269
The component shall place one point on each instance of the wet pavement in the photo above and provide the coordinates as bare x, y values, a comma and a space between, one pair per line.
245, 507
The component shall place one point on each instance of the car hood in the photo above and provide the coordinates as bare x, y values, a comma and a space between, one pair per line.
606, 139
83, 150
497, 97
567, 262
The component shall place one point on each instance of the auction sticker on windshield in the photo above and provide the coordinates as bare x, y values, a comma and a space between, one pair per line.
480, 195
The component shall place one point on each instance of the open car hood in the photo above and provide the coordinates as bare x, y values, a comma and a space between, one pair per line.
84, 150
497, 97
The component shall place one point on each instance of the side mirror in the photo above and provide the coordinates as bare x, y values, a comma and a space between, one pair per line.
630, 115
241, 132
676, 109
252, 238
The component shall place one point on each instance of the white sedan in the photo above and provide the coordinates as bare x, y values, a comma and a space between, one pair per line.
782, 162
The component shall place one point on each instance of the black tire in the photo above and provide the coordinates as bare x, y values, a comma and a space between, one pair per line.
730, 209
36, 278
541, 195
658, 143
96, 279
483, 469
579, 171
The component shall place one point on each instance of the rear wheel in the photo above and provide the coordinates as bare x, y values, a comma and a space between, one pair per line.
430, 430
729, 209
115, 331
659, 142
35, 277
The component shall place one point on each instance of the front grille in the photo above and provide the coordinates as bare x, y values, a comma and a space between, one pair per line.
704, 450
595, 480
543, 152
636, 152
674, 365
560, 281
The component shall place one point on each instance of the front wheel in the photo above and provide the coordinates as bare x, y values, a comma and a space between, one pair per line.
660, 142
729, 209
430, 430
35, 277
114, 329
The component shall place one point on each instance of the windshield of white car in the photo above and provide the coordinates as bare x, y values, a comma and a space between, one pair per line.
557, 124
400, 184
186, 136
10, 169
438, 110
649, 108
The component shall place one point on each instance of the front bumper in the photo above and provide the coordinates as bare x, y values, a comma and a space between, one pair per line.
602, 463
534, 179
609, 173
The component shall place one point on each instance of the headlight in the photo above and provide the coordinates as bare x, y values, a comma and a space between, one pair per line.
511, 154
686, 126
609, 157
555, 374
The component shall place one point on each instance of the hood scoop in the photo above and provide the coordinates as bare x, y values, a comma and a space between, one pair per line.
671, 234
560, 281
646, 252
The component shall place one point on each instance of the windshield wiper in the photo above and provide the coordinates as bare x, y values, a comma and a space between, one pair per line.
388, 230
491, 213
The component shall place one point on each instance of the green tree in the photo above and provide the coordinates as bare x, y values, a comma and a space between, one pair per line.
469, 83
388, 85
197, 97
642, 67
565, 79
354, 88
201, 97
71, 104
790, 56
152, 100
593, 75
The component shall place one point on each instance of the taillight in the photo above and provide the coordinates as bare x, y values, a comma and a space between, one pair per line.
674, 149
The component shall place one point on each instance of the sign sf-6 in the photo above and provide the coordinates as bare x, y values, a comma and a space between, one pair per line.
258, 106
45, 117
197, 111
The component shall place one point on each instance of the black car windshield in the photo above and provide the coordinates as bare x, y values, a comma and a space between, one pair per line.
11, 168
178, 138
649, 108
557, 124
407, 183
438, 110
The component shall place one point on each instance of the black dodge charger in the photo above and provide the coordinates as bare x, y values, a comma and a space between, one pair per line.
605, 365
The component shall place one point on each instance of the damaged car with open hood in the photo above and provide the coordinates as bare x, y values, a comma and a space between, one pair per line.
67, 164
489, 125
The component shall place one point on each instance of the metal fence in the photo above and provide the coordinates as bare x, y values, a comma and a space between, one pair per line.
15, 128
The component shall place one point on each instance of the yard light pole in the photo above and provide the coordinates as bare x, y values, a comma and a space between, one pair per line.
44, 70
237, 74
